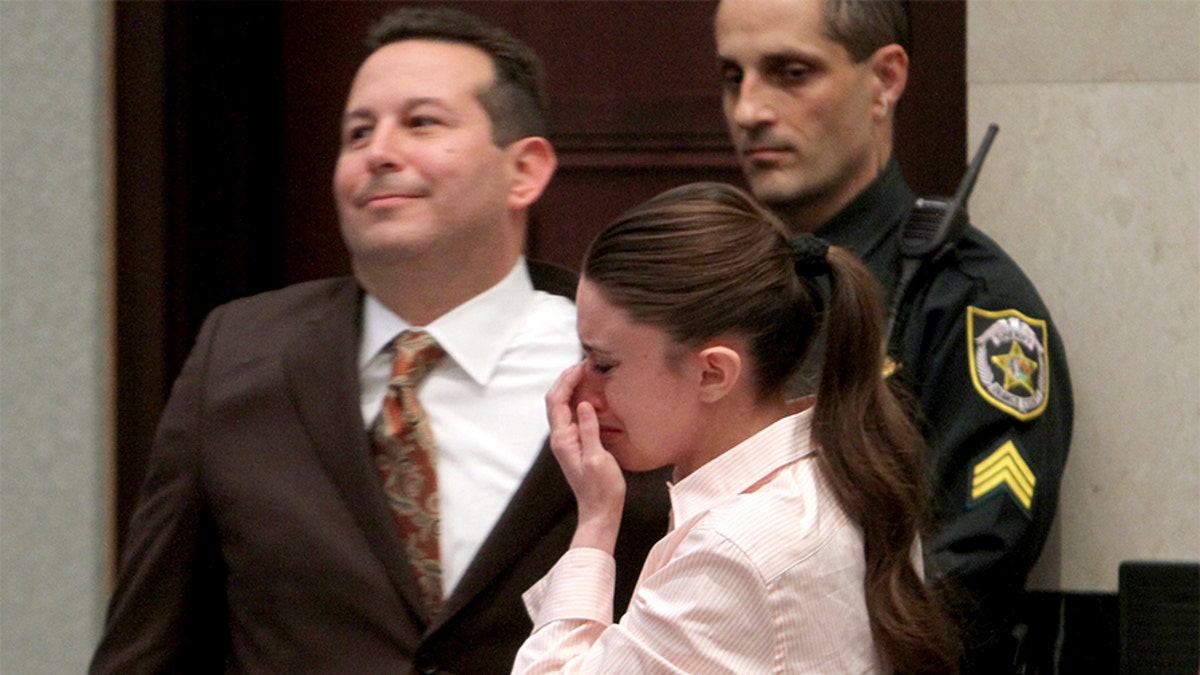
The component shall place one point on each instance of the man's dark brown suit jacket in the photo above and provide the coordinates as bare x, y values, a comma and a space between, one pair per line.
262, 542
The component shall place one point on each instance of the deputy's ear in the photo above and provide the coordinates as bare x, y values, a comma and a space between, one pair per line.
532, 161
889, 65
720, 370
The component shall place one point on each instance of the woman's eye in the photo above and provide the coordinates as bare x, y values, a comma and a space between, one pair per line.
601, 367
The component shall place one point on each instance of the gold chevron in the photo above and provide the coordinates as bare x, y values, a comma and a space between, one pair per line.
1004, 467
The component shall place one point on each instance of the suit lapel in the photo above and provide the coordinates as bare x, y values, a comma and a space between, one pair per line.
321, 368
541, 501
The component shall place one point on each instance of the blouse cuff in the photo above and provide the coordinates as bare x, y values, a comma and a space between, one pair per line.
579, 586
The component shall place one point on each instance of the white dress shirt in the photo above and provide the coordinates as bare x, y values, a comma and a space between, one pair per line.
485, 400
762, 573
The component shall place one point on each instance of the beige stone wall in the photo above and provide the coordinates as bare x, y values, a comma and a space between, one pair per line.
55, 332
1093, 185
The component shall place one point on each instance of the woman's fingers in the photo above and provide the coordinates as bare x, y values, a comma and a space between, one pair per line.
561, 390
558, 399
602, 469
564, 432
591, 470
589, 431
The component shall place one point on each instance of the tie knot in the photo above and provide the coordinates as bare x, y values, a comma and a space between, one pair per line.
416, 354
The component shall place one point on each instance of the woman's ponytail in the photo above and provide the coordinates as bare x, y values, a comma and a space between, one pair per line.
874, 457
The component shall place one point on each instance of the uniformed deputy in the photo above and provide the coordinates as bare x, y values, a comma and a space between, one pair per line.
975, 345
810, 88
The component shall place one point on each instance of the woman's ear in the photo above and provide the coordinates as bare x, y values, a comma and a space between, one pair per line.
720, 371
533, 162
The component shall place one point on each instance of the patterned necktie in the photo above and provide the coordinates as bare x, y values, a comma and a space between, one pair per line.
406, 457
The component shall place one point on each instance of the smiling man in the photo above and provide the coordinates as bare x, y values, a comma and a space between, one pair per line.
312, 504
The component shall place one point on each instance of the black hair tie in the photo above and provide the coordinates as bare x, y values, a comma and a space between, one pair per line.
809, 255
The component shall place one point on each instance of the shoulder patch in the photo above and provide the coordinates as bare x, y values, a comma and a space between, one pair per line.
1008, 360
1004, 469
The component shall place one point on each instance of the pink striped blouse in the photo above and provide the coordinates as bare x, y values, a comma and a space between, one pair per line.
761, 573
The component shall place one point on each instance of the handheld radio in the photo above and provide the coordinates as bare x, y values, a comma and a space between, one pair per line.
933, 228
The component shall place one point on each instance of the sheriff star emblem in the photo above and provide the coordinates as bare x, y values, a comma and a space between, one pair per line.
1008, 360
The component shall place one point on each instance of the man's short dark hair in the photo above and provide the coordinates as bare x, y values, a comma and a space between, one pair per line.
516, 102
863, 26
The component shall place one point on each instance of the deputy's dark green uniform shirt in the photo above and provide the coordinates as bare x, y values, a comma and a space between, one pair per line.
986, 364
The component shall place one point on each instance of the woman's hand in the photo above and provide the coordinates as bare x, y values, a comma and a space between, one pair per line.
592, 472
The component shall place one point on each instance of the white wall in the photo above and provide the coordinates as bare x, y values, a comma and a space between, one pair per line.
55, 328
1093, 185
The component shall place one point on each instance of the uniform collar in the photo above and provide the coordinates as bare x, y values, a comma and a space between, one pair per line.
873, 215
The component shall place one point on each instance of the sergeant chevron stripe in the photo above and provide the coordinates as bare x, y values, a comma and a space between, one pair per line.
1004, 468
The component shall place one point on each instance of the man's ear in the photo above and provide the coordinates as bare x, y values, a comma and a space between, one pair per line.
720, 371
532, 161
889, 65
